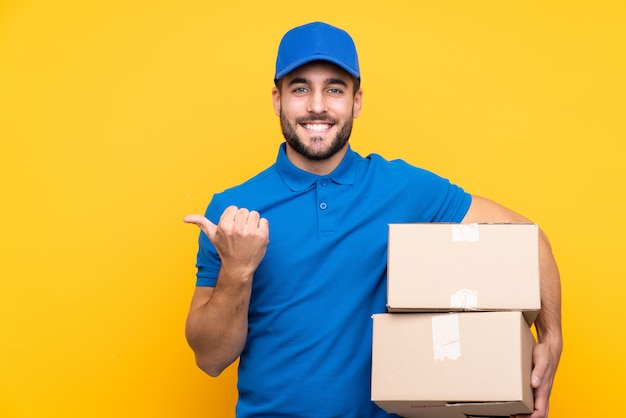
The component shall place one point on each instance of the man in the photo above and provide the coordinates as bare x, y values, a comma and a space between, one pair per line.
297, 309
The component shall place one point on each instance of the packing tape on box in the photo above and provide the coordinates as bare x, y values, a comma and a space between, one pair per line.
446, 339
465, 299
465, 232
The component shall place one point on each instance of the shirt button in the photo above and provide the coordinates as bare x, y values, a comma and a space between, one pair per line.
324, 183
323, 206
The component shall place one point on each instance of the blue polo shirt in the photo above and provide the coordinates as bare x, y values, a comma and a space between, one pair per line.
308, 352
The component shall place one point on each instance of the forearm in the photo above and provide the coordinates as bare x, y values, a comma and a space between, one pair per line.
217, 324
548, 323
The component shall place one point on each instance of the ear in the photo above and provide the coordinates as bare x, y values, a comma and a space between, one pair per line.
276, 100
358, 103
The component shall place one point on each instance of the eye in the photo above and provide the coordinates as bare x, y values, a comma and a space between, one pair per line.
300, 90
335, 90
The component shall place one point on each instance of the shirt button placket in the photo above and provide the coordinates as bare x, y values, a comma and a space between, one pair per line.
323, 195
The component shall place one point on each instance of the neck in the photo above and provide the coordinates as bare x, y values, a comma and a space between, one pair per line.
317, 167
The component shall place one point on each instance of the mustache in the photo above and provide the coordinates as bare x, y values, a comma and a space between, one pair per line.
322, 117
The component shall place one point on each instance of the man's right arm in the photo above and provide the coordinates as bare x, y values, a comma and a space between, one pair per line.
217, 324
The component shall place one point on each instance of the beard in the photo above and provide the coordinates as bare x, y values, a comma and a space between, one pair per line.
315, 151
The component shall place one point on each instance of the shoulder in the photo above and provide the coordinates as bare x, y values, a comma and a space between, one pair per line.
245, 194
265, 178
400, 168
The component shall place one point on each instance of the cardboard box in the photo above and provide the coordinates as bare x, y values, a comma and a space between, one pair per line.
439, 267
452, 365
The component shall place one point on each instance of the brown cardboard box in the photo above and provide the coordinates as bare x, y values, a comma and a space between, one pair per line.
439, 267
452, 365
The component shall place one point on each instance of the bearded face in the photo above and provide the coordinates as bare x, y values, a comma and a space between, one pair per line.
316, 147
317, 104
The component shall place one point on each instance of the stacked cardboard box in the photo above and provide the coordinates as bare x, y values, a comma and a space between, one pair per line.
457, 341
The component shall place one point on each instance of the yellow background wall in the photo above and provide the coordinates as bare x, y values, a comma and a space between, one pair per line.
119, 117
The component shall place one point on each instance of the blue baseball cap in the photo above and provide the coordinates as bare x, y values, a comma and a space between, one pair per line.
316, 41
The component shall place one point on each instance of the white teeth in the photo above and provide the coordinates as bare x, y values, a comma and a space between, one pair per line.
317, 127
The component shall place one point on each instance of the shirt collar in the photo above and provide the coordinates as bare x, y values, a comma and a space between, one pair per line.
297, 179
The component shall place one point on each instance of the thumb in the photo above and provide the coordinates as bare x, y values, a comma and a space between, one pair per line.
540, 357
205, 225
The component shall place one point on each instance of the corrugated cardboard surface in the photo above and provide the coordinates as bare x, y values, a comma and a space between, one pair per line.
460, 267
490, 377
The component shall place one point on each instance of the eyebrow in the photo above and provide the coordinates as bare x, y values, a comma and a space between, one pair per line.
331, 80
339, 81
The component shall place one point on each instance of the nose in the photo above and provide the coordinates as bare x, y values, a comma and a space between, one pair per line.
317, 102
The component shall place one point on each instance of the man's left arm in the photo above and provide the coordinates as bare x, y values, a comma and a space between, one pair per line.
547, 352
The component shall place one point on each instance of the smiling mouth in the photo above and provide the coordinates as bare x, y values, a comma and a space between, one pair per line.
317, 127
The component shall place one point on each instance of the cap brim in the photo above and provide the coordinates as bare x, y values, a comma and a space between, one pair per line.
316, 57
